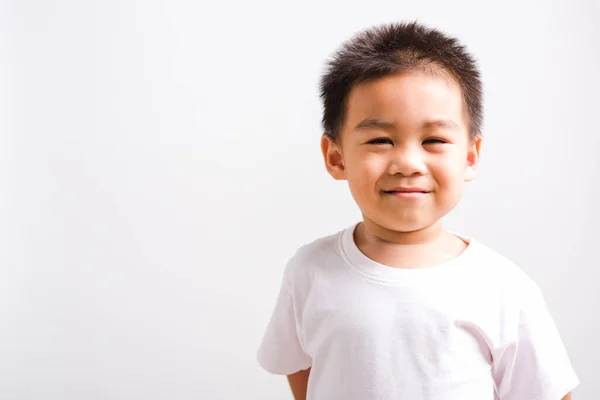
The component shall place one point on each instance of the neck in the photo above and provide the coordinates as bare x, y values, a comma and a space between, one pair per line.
375, 233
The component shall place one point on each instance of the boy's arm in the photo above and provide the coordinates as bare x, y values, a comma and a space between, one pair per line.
567, 397
298, 383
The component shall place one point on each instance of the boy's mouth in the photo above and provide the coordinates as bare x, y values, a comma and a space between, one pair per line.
407, 192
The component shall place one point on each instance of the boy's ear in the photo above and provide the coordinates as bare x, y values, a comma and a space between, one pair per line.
473, 158
332, 155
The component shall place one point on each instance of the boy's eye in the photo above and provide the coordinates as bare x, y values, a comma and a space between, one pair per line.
433, 141
380, 141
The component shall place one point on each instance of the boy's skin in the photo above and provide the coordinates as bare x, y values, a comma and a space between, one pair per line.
400, 133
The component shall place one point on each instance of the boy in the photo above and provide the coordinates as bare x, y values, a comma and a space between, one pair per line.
395, 307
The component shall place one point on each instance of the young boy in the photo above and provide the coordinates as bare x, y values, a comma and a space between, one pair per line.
395, 307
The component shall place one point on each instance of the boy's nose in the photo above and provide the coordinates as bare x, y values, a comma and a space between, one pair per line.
407, 162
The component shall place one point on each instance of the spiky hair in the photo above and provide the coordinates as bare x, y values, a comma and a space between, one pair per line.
395, 49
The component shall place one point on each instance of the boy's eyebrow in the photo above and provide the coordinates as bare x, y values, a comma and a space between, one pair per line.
378, 123
443, 123
375, 123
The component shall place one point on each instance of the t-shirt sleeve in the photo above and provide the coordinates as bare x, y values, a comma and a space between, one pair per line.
281, 350
534, 364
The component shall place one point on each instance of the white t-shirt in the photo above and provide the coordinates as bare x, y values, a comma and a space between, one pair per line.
474, 328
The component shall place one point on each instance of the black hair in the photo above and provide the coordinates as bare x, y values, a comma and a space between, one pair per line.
395, 49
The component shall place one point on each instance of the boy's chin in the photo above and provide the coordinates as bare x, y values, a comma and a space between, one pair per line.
404, 225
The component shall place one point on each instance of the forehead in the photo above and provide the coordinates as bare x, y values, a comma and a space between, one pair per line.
407, 100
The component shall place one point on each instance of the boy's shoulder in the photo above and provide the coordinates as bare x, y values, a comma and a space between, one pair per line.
319, 249
314, 255
499, 271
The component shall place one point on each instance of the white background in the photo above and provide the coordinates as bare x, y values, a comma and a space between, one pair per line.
159, 163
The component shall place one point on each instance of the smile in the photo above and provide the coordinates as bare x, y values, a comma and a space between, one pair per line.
407, 194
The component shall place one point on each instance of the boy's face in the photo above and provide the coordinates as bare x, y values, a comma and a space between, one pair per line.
404, 149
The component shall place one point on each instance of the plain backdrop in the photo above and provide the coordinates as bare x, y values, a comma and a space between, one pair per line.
159, 164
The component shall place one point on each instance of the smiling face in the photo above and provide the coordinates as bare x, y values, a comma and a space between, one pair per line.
404, 149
